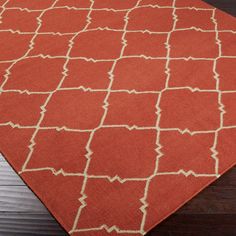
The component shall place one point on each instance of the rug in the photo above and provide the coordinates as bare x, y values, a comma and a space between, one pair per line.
116, 113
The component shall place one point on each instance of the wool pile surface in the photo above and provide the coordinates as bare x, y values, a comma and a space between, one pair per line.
116, 112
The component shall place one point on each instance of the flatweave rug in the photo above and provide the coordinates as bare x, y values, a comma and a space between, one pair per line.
116, 113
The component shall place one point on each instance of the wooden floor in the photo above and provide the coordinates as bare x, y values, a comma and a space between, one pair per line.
211, 213
21, 213
228, 6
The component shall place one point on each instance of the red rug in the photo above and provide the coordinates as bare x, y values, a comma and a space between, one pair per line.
117, 112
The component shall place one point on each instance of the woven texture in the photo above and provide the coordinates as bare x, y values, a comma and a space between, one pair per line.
117, 112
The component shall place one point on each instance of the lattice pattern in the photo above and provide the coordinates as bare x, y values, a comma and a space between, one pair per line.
114, 106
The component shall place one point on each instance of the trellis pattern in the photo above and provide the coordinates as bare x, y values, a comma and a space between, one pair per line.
117, 112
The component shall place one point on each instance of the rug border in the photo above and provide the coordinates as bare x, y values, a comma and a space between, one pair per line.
59, 220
